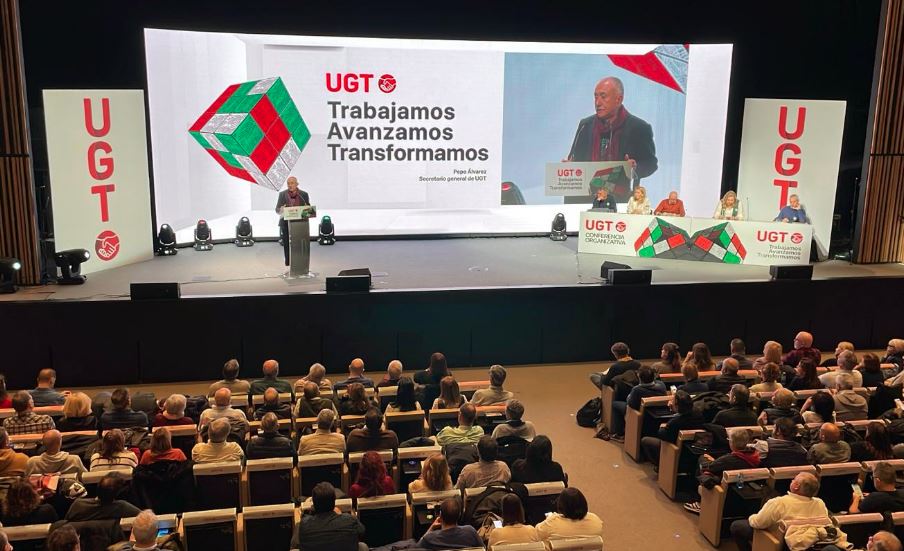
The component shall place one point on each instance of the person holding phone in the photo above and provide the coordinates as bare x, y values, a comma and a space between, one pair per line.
513, 528
446, 533
886, 499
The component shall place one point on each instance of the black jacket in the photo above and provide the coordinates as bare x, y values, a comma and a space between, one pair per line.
784, 453
284, 198
266, 445
618, 368
282, 411
723, 383
682, 421
737, 416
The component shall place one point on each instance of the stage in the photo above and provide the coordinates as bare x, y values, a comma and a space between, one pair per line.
409, 265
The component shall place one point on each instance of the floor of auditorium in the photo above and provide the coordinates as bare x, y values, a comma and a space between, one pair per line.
635, 513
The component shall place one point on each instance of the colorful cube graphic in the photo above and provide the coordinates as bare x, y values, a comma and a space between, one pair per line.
716, 244
719, 244
254, 131
662, 240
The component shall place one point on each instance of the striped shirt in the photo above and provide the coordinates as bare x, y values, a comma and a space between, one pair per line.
28, 423
121, 460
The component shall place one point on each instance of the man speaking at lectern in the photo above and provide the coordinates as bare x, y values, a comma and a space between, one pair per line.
613, 134
291, 197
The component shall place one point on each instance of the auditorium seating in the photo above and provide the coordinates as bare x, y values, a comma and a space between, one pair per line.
219, 484
594, 543
388, 518
212, 529
268, 527
269, 481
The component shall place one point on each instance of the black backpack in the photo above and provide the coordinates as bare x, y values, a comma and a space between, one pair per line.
490, 502
590, 413
708, 404
194, 405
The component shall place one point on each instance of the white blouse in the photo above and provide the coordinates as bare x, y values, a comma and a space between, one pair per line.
639, 207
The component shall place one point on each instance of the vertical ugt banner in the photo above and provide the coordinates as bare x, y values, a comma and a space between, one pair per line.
97, 151
792, 147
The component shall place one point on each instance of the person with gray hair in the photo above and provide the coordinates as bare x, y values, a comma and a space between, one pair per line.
316, 374
799, 502
173, 412
849, 405
144, 532
514, 425
324, 439
269, 442
218, 448
847, 361
230, 380
393, 374
495, 394
12, 463
782, 407
310, 402
741, 457
740, 414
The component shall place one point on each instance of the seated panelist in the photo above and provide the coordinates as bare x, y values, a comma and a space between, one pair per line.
673, 206
638, 203
603, 201
729, 208
793, 212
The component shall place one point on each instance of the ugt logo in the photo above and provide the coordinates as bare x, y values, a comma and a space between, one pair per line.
354, 82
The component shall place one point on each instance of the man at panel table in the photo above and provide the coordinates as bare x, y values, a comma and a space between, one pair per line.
793, 212
673, 206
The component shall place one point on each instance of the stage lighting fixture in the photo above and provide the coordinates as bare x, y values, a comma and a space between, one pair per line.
327, 232
203, 237
8, 269
557, 233
166, 241
244, 236
69, 264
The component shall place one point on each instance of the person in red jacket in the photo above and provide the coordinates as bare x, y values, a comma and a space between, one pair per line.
673, 206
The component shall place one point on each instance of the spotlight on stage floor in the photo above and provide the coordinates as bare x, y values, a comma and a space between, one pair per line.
326, 231
203, 237
69, 264
244, 236
557, 233
166, 241
9, 267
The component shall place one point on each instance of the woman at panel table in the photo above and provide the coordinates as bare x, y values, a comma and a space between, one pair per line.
793, 212
673, 206
638, 203
729, 208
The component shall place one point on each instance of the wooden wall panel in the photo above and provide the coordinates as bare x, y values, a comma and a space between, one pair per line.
881, 232
18, 218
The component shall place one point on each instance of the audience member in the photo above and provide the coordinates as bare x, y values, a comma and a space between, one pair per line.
44, 394
514, 424
780, 449
355, 375
434, 476
12, 463
487, 469
782, 407
372, 480
847, 361
513, 529
406, 399
310, 403
692, 383
446, 533
53, 460
739, 414
771, 373
803, 348
805, 376
571, 519
431, 377
77, 414
830, 448
880, 541
22, 506
230, 380
317, 375
800, 502
727, 378
5, 401
393, 374
271, 379
449, 395
686, 419
269, 442
841, 347
738, 352
373, 436
466, 432
355, 401
711, 469
324, 439
144, 532
173, 413
872, 375
26, 421
886, 499
272, 405
772, 353
669, 359
495, 394
647, 386
123, 416
876, 444
218, 448
106, 505
623, 362
222, 408
537, 465
894, 353
700, 357
64, 538
819, 408
327, 528
113, 453
162, 448
849, 405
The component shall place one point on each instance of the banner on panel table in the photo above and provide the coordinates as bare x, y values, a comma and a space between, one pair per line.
792, 147
97, 151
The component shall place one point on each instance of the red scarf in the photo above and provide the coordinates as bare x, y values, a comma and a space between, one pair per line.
293, 199
611, 127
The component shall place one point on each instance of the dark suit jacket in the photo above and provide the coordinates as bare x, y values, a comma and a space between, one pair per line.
283, 199
635, 141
